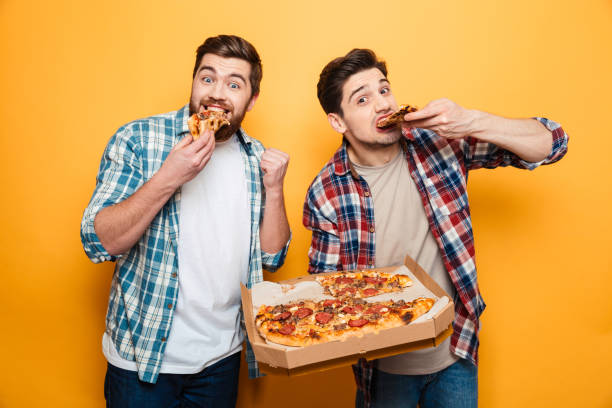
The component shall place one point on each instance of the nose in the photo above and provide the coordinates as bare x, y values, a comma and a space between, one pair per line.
383, 103
217, 91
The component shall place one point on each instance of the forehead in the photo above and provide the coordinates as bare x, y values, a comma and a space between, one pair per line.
367, 78
225, 66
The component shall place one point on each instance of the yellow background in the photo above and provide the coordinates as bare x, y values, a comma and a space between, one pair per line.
73, 72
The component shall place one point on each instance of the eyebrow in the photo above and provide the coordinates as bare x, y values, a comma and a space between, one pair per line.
362, 87
232, 75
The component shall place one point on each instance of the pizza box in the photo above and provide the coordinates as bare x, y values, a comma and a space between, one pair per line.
422, 333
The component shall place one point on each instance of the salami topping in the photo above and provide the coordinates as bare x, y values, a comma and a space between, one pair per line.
287, 329
282, 316
346, 290
370, 292
375, 309
357, 322
349, 310
344, 279
330, 302
302, 312
323, 317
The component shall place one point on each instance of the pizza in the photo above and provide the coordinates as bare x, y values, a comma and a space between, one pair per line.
396, 117
362, 284
208, 119
307, 322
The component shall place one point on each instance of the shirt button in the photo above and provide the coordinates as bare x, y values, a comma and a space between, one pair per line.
169, 305
371, 263
174, 275
367, 193
163, 339
371, 229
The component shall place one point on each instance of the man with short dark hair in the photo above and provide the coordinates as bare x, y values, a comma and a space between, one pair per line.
388, 192
187, 219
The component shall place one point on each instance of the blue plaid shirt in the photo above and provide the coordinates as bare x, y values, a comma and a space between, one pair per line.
144, 288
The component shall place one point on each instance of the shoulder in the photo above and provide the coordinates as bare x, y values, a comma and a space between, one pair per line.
138, 132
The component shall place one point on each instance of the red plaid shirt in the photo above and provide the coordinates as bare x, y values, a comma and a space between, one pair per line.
339, 210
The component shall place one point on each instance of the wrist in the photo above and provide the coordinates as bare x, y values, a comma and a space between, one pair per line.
275, 192
479, 124
164, 183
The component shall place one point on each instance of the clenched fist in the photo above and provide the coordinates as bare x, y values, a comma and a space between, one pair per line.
274, 165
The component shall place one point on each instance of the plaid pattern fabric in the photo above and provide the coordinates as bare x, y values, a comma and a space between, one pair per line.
339, 211
144, 288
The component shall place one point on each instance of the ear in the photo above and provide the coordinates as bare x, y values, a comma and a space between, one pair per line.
336, 122
252, 102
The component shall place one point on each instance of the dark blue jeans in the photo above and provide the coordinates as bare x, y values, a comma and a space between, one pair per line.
215, 386
454, 387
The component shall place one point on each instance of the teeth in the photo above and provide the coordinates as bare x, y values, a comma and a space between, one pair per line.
215, 108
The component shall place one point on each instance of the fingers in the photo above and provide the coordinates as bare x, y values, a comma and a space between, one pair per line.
184, 141
273, 158
206, 138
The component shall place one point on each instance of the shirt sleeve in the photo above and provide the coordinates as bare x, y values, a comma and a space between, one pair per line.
271, 262
479, 154
319, 217
119, 176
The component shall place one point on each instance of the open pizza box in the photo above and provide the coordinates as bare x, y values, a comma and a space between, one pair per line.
428, 330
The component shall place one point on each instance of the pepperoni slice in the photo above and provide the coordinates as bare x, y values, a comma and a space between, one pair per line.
349, 310
348, 289
382, 280
287, 329
375, 309
357, 322
344, 279
282, 316
302, 312
370, 292
323, 317
370, 279
330, 302
358, 308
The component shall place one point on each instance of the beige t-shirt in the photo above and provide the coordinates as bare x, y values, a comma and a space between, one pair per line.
402, 228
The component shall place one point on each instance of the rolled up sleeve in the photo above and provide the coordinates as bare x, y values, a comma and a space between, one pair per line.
118, 177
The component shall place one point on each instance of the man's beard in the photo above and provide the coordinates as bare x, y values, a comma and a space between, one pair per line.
227, 131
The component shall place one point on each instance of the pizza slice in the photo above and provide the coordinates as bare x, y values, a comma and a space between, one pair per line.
308, 322
208, 119
362, 284
396, 117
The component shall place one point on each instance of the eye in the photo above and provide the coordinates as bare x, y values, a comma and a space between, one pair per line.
362, 100
234, 85
385, 90
207, 79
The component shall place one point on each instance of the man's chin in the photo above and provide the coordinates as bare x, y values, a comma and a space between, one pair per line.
225, 133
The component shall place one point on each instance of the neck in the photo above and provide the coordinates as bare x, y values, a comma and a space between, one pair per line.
372, 155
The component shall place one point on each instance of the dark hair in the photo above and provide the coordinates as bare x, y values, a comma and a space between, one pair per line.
231, 46
338, 71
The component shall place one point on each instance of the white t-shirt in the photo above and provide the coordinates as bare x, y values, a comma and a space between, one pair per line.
213, 254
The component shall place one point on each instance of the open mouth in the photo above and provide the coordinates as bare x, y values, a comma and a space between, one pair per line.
215, 108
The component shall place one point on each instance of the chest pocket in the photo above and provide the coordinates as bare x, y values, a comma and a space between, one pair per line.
446, 190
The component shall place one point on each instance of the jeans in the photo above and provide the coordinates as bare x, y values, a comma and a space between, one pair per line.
454, 387
215, 386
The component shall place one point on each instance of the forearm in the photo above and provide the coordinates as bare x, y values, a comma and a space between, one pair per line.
527, 138
274, 229
120, 226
